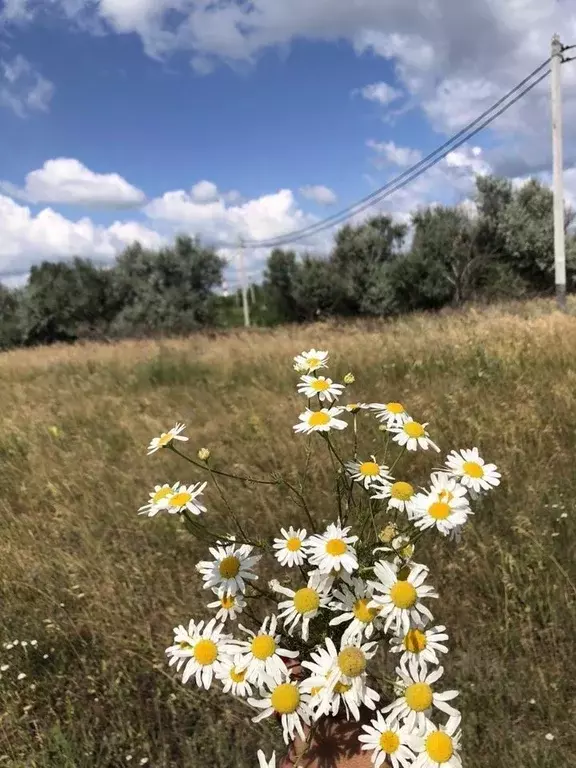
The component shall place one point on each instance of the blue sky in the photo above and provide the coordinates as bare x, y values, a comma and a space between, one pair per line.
139, 119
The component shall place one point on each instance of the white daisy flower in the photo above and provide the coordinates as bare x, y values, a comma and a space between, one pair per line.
438, 746
418, 697
261, 656
368, 472
324, 581
402, 550
413, 435
263, 761
472, 471
326, 389
186, 497
166, 437
230, 569
355, 407
333, 550
400, 493
320, 421
326, 701
399, 600
387, 740
419, 646
352, 604
229, 606
158, 500
234, 678
287, 700
311, 361
290, 550
444, 507
302, 606
392, 414
201, 651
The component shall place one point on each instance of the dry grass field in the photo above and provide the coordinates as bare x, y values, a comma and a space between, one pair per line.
95, 589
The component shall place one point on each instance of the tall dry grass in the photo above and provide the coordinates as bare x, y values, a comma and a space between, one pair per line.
99, 588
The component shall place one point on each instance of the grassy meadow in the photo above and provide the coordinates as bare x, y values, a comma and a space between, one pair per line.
94, 589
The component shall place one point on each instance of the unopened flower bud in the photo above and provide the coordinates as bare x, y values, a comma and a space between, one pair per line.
203, 454
349, 378
388, 533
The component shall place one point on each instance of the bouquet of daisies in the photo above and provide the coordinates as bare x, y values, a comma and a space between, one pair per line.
306, 648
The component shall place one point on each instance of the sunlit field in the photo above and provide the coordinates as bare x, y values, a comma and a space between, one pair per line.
94, 589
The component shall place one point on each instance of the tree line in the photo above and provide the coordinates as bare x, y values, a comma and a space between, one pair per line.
500, 248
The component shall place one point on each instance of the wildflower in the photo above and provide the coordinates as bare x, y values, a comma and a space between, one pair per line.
261, 656
166, 438
326, 389
263, 762
230, 569
287, 700
333, 549
21, 676
367, 472
320, 421
438, 745
229, 606
349, 378
392, 414
472, 471
400, 600
413, 435
201, 650
402, 550
400, 493
290, 549
311, 361
352, 605
158, 500
445, 506
418, 646
187, 497
549, 737
387, 739
204, 454
418, 697
355, 407
234, 678
302, 606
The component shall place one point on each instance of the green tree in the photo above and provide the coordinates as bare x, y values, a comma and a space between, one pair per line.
10, 317
280, 277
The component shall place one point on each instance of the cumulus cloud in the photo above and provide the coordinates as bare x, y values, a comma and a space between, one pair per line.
22, 88
387, 152
381, 92
65, 180
319, 194
204, 192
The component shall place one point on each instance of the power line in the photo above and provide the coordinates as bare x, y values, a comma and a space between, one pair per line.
411, 173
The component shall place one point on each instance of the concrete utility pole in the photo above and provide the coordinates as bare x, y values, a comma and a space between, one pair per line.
244, 287
558, 168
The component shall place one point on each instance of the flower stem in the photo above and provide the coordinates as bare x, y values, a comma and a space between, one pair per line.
205, 467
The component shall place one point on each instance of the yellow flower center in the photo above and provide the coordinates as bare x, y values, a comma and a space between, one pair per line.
316, 690
306, 600
402, 491
414, 429
180, 499
263, 646
439, 510
164, 439
352, 661
473, 469
395, 408
418, 696
229, 567
439, 747
320, 385
227, 601
206, 652
313, 362
415, 641
161, 494
403, 594
336, 547
318, 419
369, 469
293, 544
285, 699
389, 742
362, 612
342, 688
237, 677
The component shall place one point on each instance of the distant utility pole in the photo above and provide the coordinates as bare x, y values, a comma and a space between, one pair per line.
244, 287
558, 167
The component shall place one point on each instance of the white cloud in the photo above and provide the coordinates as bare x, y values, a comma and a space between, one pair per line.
22, 88
28, 238
204, 192
387, 152
319, 194
65, 180
382, 93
